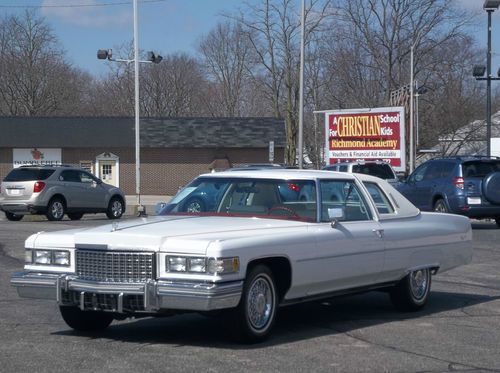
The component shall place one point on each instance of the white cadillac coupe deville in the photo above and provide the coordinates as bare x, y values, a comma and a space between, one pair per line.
248, 242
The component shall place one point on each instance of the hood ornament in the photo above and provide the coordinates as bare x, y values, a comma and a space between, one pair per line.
114, 226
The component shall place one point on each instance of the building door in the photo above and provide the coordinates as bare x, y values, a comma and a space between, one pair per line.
108, 168
108, 172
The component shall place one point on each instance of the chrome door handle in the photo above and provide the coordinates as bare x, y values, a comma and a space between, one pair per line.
378, 232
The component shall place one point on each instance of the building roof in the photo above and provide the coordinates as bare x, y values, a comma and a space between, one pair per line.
116, 132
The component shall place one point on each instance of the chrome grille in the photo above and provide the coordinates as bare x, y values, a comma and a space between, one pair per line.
114, 266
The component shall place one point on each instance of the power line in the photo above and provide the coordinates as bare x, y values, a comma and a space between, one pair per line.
78, 5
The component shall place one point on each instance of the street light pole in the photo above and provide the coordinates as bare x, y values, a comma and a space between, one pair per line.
488, 88
140, 208
107, 54
301, 88
412, 88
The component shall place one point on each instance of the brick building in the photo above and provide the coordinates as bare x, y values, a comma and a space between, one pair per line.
173, 150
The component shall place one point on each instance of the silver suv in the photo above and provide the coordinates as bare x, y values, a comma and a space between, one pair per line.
58, 190
376, 168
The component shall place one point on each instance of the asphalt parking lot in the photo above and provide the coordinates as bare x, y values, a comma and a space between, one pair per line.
459, 330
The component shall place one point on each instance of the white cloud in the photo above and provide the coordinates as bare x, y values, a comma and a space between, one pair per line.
92, 15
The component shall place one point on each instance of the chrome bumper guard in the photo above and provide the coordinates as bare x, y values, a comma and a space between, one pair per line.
156, 294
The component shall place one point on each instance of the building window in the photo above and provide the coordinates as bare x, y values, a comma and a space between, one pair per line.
106, 171
87, 166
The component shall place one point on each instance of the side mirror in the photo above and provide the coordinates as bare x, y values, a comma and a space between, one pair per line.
335, 214
159, 206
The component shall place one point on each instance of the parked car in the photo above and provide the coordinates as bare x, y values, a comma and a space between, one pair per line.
58, 190
467, 186
249, 253
376, 168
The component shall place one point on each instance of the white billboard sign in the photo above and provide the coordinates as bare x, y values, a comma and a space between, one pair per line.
36, 156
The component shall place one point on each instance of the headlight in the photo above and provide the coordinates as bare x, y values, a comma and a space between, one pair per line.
48, 257
197, 265
61, 258
41, 257
202, 265
186, 264
176, 264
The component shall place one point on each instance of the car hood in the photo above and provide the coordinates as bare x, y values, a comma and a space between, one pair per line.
183, 234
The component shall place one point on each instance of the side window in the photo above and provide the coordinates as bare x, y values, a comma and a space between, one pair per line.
343, 168
86, 178
343, 194
432, 171
70, 176
446, 169
418, 175
381, 201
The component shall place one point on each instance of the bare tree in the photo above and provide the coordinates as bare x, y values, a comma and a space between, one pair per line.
226, 60
175, 87
34, 78
273, 29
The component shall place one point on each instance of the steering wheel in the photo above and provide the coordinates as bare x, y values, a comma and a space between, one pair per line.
286, 209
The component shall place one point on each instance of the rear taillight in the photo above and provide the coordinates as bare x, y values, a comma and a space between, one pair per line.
294, 187
39, 185
459, 182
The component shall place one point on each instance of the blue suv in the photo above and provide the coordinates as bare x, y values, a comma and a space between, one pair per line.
467, 186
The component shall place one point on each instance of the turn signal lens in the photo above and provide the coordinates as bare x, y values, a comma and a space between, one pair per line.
28, 256
223, 265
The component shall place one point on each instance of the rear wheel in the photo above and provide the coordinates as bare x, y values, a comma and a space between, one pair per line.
75, 215
412, 292
256, 312
115, 208
440, 206
13, 217
55, 209
85, 320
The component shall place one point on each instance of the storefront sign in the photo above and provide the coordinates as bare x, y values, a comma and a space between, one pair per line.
365, 134
36, 156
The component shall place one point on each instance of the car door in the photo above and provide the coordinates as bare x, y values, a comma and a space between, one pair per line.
417, 187
70, 183
93, 193
351, 253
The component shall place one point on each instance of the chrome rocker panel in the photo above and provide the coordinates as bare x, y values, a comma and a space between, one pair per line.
158, 294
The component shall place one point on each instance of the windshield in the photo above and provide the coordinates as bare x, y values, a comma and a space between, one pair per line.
281, 199
382, 171
28, 174
479, 168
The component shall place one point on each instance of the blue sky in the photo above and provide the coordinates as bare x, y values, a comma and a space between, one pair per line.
165, 26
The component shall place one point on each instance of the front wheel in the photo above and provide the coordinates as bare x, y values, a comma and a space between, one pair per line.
55, 209
115, 208
75, 215
85, 321
256, 312
412, 292
440, 206
13, 217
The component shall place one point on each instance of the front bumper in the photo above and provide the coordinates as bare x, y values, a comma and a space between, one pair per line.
152, 296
